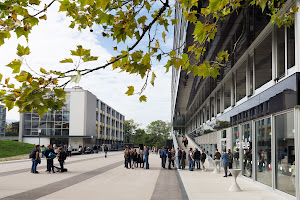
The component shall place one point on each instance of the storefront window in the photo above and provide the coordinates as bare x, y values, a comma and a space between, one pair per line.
263, 151
235, 148
285, 153
241, 82
247, 150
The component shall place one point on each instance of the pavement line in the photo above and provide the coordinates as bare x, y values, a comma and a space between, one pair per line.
183, 191
2, 174
60, 185
167, 186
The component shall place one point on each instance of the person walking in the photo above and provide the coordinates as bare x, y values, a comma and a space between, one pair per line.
105, 150
70, 148
230, 161
163, 156
225, 159
127, 158
197, 155
35, 158
61, 156
217, 156
203, 157
179, 156
191, 160
50, 155
183, 159
146, 154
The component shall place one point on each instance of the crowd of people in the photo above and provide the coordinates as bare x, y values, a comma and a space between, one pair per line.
50, 153
133, 157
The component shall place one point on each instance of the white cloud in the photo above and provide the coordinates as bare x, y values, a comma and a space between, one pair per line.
52, 40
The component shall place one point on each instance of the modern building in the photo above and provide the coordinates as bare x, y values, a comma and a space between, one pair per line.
84, 120
253, 106
2, 121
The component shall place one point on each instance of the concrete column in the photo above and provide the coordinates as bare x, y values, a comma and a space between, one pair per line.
21, 127
297, 147
297, 37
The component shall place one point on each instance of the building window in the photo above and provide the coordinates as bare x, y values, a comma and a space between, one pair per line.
241, 82
291, 47
251, 75
227, 93
280, 52
235, 148
285, 153
263, 62
263, 151
218, 101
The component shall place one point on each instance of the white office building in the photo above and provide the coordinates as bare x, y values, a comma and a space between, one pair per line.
83, 121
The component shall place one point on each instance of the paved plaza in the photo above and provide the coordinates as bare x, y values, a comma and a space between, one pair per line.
95, 177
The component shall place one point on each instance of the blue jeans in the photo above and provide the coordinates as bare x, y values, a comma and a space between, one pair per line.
179, 160
191, 165
34, 164
147, 163
198, 164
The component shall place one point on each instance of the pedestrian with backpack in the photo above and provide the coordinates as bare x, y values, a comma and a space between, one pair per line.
35, 158
163, 156
230, 161
50, 155
61, 156
179, 156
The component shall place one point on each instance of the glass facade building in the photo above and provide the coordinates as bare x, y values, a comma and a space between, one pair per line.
255, 98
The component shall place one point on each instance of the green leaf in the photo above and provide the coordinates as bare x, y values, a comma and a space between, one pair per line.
67, 60
43, 70
43, 17
22, 50
60, 93
76, 78
15, 65
143, 98
89, 58
35, 2
158, 57
80, 51
152, 78
130, 90
1, 77
9, 104
164, 36
142, 19
20, 31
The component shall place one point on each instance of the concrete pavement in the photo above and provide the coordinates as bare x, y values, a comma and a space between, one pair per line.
95, 177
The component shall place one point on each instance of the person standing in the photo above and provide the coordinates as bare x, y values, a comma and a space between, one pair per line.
35, 158
191, 160
70, 148
173, 152
183, 159
225, 159
163, 155
105, 150
134, 158
230, 161
203, 157
50, 155
217, 156
197, 158
43, 150
131, 158
61, 156
169, 159
179, 156
141, 157
146, 154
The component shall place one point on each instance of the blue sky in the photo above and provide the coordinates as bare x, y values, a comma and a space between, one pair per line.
52, 41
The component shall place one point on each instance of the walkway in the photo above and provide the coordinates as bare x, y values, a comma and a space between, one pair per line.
95, 177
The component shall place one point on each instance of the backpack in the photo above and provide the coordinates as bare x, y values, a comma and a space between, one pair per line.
51, 155
127, 154
203, 156
230, 156
32, 154
161, 153
62, 156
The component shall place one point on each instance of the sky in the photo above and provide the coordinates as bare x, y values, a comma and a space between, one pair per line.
52, 40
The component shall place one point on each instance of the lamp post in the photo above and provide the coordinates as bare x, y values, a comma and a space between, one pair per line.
39, 131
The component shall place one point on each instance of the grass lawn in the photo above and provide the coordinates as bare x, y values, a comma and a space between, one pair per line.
12, 148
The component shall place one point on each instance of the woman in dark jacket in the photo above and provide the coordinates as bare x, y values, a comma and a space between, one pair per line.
183, 159
169, 158
134, 158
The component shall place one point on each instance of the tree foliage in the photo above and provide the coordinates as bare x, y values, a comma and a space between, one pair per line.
157, 133
121, 20
12, 129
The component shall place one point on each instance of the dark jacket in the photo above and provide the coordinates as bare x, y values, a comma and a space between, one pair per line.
170, 155
183, 155
105, 148
134, 156
203, 156
197, 155
179, 154
47, 152
146, 152
217, 155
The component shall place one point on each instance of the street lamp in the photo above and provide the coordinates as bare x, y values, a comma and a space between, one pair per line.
39, 131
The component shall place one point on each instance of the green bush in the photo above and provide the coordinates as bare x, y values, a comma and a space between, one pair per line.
12, 148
